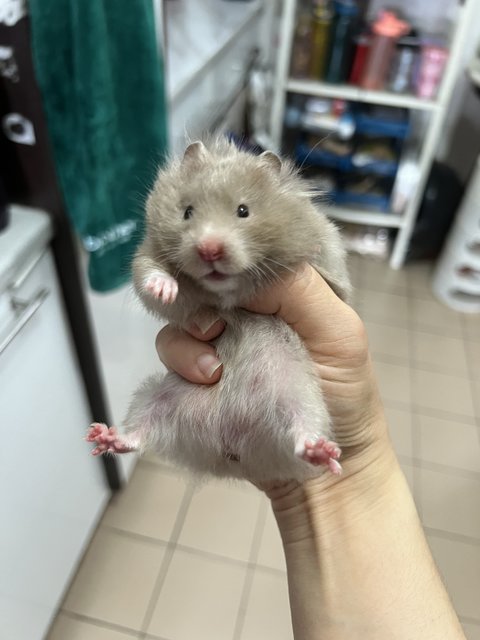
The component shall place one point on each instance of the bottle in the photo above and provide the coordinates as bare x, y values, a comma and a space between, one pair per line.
362, 47
300, 66
387, 29
404, 63
321, 25
432, 64
344, 22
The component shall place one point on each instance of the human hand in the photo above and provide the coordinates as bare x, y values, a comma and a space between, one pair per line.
344, 536
189, 354
336, 339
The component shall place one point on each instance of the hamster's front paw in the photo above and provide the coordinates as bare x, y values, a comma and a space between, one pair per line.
320, 451
161, 285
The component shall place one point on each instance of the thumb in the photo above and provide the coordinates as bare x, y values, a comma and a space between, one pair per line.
305, 301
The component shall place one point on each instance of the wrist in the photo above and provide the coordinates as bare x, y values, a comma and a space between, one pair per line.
327, 503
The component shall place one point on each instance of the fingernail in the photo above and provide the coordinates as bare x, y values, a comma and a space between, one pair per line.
208, 364
204, 324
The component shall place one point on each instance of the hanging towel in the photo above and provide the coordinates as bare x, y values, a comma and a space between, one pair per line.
102, 84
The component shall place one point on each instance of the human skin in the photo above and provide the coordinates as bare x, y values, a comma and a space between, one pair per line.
358, 564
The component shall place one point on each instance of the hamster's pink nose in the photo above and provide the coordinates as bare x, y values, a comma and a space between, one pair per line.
210, 250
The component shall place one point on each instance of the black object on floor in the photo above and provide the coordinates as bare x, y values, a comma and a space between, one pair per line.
441, 199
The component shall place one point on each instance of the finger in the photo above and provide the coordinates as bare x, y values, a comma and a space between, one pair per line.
307, 303
193, 360
205, 335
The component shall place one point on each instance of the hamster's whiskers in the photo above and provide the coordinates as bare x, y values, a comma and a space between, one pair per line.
166, 254
281, 265
261, 274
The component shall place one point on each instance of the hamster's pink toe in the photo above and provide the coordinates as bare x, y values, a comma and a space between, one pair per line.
106, 439
162, 286
95, 431
320, 452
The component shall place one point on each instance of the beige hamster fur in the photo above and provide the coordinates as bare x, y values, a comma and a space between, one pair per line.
221, 224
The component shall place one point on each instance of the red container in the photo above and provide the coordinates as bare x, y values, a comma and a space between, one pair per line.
362, 47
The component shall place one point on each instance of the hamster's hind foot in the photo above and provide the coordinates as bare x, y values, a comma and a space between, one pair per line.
108, 440
320, 452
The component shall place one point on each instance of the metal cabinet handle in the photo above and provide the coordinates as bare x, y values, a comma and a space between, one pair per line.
27, 309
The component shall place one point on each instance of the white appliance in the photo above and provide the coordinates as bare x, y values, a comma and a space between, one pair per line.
52, 492
456, 279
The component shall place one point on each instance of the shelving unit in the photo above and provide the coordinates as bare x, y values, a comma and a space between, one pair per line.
435, 109
344, 214
357, 94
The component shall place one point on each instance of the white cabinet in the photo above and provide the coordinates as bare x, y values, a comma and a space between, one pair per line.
52, 492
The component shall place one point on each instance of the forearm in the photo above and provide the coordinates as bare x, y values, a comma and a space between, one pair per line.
358, 562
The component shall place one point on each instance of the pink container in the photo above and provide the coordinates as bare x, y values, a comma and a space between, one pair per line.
432, 64
387, 29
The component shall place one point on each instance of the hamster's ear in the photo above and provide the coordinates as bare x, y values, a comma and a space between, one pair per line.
272, 160
194, 153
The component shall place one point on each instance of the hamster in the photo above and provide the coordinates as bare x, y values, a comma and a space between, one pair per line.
221, 224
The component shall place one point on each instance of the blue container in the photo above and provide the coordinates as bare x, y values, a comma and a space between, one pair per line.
361, 200
327, 159
341, 38
368, 125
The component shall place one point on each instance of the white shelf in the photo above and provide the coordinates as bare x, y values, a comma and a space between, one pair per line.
360, 216
198, 34
357, 94
427, 145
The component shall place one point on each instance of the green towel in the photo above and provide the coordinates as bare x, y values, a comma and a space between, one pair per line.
102, 86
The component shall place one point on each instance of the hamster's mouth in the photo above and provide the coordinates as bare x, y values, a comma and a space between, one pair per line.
216, 276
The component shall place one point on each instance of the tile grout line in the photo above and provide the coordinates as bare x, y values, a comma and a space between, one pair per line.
444, 469
441, 414
243, 604
468, 355
444, 415
452, 536
215, 557
258, 531
133, 535
468, 620
165, 565
421, 328
437, 467
389, 358
98, 622
247, 585
183, 547
415, 423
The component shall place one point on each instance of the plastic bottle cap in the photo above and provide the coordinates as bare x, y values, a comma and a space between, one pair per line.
387, 24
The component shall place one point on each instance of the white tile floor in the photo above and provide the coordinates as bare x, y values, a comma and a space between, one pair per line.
174, 562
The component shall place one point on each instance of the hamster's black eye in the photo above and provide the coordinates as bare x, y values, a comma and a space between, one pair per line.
188, 213
242, 211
